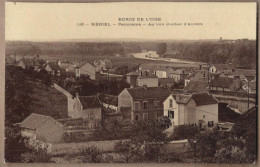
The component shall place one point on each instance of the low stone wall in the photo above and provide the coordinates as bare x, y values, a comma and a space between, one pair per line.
70, 148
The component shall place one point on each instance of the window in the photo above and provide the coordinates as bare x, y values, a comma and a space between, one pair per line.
170, 103
77, 71
203, 116
136, 117
171, 114
137, 106
210, 124
156, 104
90, 115
145, 116
156, 115
145, 104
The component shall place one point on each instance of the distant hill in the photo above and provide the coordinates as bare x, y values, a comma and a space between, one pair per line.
239, 53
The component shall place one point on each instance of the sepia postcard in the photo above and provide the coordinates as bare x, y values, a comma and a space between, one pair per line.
131, 82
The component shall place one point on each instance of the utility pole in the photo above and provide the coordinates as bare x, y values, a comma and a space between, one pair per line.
107, 88
247, 94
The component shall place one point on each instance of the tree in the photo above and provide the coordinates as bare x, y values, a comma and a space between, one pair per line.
17, 96
113, 127
125, 149
161, 48
146, 144
164, 122
37, 156
188, 132
231, 155
206, 143
14, 144
91, 155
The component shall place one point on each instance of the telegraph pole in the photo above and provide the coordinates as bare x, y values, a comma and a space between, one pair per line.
107, 88
247, 95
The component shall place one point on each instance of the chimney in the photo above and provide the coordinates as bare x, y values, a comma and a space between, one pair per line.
177, 97
77, 95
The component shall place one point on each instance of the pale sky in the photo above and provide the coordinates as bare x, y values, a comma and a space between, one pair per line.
58, 21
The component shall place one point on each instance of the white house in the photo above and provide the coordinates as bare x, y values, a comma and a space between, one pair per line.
198, 108
161, 74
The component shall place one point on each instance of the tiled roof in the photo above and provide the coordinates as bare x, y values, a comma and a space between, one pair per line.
222, 66
197, 75
203, 99
71, 121
110, 99
244, 72
89, 101
148, 66
178, 72
147, 76
236, 85
35, 121
53, 65
133, 73
252, 85
83, 63
149, 92
182, 98
196, 86
166, 80
190, 76
30, 62
250, 78
222, 82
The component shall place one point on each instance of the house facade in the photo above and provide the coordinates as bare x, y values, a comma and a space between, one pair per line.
200, 109
178, 75
88, 108
142, 78
101, 65
52, 68
131, 78
220, 68
28, 63
87, 69
142, 103
149, 81
43, 128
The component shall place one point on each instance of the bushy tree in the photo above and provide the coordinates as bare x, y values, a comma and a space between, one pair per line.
91, 155
146, 144
125, 149
14, 144
233, 155
188, 132
161, 48
37, 156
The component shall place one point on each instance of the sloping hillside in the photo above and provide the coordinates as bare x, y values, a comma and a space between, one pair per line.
48, 101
